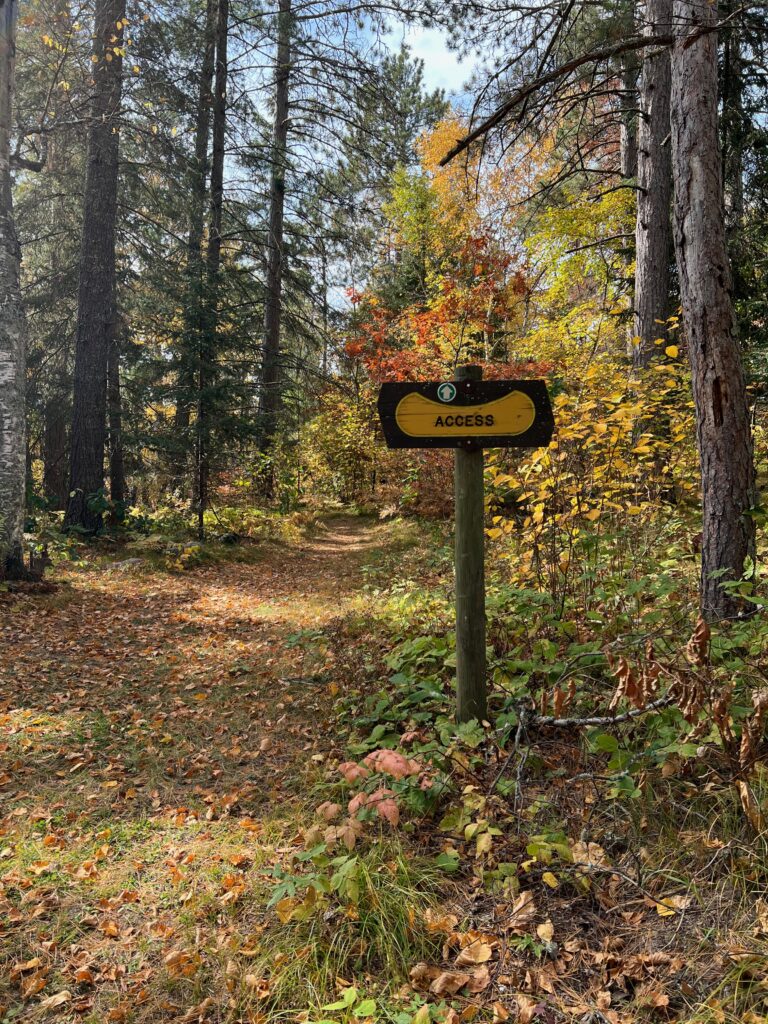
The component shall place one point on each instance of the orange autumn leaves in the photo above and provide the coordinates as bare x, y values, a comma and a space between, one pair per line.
449, 285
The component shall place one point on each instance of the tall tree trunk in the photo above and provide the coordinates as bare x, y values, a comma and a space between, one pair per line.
54, 444
722, 413
115, 408
12, 327
96, 297
198, 204
208, 333
325, 310
653, 227
733, 130
270, 367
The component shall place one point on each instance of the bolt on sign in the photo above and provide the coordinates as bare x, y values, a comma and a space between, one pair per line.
468, 414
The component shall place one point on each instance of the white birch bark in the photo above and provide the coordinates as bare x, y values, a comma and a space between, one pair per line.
12, 333
653, 230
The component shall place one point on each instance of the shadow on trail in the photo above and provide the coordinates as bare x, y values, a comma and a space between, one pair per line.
127, 694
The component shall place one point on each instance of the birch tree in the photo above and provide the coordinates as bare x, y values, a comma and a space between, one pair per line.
653, 229
12, 335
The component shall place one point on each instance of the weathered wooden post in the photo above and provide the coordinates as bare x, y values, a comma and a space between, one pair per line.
468, 414
471, 701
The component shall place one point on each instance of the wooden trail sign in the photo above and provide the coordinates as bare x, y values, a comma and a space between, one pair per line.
468, 414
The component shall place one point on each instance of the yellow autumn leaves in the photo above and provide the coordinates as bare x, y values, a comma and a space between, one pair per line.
624, 449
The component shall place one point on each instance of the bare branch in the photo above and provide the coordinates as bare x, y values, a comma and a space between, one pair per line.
593, 56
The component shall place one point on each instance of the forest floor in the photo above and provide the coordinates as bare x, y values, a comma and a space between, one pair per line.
160, 736
165, 739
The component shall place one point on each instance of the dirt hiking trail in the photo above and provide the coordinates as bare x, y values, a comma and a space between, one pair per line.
185, 675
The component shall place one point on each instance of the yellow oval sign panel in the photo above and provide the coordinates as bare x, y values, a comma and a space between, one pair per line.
418, 416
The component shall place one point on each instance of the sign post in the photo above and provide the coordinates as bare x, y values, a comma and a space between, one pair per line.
468, 414
470, 574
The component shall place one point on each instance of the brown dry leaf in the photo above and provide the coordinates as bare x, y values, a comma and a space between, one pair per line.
422, 975
84, 976
52, 1002
671, 905
480, 980
628, 686
110, 928
750, 806
521, 914
652, 997
500, 1013
41, 867
761, 918
182, 963
697, 649
439, 923
87, 869
526, 1008
27, 965
33, 984
448, 983
476, 952
258, 986
589, 853
199, 1012
545, 931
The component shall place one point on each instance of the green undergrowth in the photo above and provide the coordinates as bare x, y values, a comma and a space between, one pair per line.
656, 820
165, 538
617, 868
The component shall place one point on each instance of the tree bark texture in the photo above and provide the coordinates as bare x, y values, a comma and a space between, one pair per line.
734, 125
96, 310
55, 450
271, 371
733, 128
12, 327
115, 407
722, 412
653, 227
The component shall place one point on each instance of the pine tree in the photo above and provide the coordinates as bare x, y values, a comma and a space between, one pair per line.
97, 310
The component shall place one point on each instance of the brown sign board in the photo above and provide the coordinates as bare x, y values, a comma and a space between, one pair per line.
466, 414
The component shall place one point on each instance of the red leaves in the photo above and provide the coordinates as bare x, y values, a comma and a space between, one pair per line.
389, 762
353, 772
383, 801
